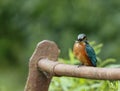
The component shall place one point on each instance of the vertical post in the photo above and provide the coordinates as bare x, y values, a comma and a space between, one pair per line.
37, 80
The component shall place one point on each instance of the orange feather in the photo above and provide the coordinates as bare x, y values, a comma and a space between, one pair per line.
80, 52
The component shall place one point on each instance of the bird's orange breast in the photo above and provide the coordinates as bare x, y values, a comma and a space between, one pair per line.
80, 52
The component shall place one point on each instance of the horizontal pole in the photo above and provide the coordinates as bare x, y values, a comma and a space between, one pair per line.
60, 69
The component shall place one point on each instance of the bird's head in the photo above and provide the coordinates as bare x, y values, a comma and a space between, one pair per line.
81, 38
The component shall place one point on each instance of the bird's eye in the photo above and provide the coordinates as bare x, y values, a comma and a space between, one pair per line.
80, 39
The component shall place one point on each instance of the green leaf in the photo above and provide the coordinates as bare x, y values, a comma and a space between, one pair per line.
107, 61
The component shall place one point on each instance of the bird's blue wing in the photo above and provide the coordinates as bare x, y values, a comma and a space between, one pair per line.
91, 54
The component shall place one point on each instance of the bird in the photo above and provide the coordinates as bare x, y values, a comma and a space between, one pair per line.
84, 52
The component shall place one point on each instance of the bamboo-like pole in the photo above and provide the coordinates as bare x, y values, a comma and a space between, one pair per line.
59, 69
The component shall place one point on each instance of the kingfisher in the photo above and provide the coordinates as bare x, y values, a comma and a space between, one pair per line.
84, 52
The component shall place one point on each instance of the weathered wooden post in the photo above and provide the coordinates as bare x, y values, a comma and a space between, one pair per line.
37, 79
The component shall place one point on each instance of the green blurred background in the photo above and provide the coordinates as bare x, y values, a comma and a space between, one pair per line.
23, 23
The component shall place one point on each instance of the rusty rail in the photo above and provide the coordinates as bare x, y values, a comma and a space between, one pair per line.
43, 66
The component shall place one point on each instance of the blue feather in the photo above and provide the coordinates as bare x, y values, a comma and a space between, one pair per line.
91, 54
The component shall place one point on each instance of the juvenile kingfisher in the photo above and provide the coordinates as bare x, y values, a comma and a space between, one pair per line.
84, 52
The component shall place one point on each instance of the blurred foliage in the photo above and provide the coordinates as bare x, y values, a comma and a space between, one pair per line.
81, 84
24, 23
